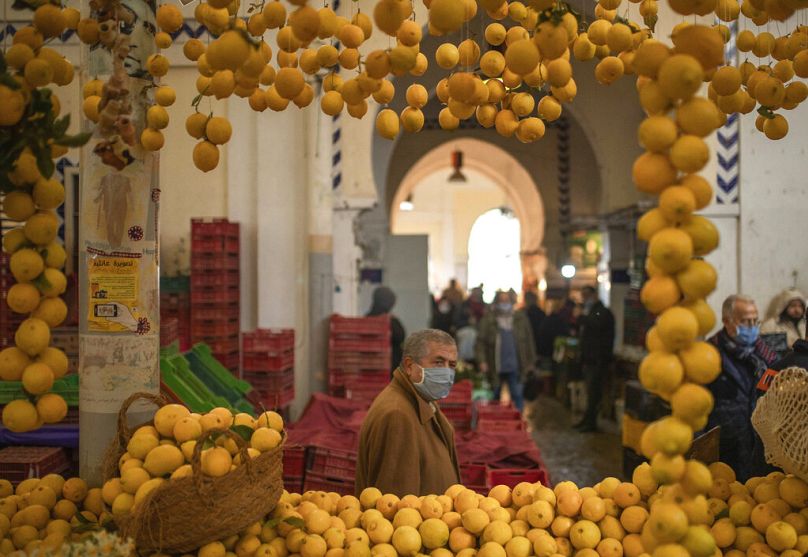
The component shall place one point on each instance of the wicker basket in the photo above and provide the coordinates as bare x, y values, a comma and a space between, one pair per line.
186, 513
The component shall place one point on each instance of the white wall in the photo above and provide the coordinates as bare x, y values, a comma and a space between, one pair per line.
446, 212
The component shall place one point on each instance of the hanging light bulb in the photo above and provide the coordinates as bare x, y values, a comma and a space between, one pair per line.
457, 165
407, 204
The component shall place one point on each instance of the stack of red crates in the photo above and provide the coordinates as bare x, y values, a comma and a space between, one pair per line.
269, 365
358, 356
457, 406
20, 463
9, 321
498, 418
330, 470
215, 309
294, 468
175, 304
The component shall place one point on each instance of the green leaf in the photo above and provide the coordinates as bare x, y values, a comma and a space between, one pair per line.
243, 431
9, 81
60, 126
273, 522
73, 140
723, 514
295, 521
81, 518
45, 163
766, 112
41, 282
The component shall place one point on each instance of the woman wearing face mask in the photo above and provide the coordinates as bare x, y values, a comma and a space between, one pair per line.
406, 445
505, 347
744, 359
786, 316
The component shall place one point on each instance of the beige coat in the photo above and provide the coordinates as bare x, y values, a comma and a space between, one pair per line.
406, 445
775, 324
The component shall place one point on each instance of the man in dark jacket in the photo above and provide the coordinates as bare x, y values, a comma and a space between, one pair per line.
535, 315
596, 346
744, 359
384, 300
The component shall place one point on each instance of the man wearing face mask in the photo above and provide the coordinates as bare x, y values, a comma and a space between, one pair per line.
744, 358
406, 445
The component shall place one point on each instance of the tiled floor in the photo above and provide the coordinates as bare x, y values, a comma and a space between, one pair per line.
584, 458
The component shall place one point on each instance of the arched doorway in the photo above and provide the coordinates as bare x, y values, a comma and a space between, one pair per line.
493, 253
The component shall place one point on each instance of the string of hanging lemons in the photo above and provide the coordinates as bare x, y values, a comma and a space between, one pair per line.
29, 113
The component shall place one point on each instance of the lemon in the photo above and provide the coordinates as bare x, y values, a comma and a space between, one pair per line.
13, 362
218, 130
18, 55
703, 234
781, 536
677, 203
229, 51
680, 76
672, 436
689, 153
206, 156
265, 439
163, 460
661, 373
42, 228
659, 293
52, 311
585, 534
776, 128
700, 188
671, 249
434, 533
18, 206
609, 70
48, 194
522, 57
23, 298
650, 223
49, 20
26, 264
657, 133
32, 336
652, 172
446, 15
20, 416
692, 404
51, 408
726, 80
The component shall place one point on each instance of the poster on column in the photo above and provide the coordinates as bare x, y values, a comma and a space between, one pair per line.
114, 367
113, 294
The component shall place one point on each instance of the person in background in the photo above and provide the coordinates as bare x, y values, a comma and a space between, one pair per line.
476, 304
443, 316
384, 300
557, 324
744, 359
454, 294
406, 444
786, 316
535, 315
596, 348
505, 349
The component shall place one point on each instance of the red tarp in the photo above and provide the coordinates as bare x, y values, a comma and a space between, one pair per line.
334, 423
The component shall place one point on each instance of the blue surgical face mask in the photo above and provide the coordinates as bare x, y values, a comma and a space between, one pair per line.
435, 383
504, 307
746, 335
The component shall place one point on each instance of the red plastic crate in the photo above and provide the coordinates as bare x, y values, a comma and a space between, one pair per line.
230, 279
202, 263
208, 311
213, 328
376, 380
20, 463
203, 228
492, 426
214, 296
169, 330
497, 411
363, 346
360, 326
473, 474
513, 476
317, 482
460, 394
356, 361
270, 341
268, 363
270, 382
221, 346
294, 461
208, 244
332, 463
293, 484
272, 401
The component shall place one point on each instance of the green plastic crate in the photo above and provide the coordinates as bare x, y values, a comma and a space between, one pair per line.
186, 386
67, 387
175, 285
211, 365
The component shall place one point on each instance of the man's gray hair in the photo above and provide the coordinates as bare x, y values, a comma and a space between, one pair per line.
728, 308
417, 344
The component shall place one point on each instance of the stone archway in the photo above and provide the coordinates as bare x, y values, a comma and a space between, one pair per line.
502, 169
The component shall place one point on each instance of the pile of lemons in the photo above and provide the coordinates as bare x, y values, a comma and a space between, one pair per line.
765, 516
36, 256
164, 452
44, 514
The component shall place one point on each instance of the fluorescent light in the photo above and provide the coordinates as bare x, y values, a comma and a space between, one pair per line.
568, 271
